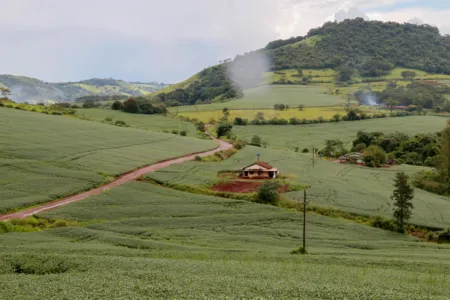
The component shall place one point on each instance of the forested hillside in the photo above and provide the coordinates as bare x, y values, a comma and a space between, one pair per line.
34, 90
354, 48
354, 42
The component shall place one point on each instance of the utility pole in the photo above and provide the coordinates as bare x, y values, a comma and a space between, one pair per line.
304, 220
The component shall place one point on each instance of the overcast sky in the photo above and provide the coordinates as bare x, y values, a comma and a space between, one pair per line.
168, 40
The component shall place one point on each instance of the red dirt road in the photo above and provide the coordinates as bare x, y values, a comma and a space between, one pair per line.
121, 180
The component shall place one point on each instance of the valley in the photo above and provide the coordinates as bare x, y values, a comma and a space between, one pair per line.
202, 189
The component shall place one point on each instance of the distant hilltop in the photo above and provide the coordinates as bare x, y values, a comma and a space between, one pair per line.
27, 89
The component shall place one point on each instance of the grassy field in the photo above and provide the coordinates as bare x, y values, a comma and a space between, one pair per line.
268, 95
308, 113
307, 136
157, 123
161, 243
46, 157
344, 187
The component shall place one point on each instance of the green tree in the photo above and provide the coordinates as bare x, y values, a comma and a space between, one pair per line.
226, 111
391, 102
117, 105
223, 129
374, 156
301, 107
344, 74
444, 155
5, 92
408, 74
334, 148
268, 193
131, 106
256, 141
402, 196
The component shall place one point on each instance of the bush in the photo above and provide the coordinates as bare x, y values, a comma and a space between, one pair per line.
131, 106
299, 250
268, 193
240, 121
223, 129
379, 222
306, 150
108, 119
120, 123
374, 156
239, 144
256, 141
117, 105
183, 132
198, 158
5, 227
176, 132
60, 223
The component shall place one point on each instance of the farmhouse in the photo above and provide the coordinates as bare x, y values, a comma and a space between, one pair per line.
259, 170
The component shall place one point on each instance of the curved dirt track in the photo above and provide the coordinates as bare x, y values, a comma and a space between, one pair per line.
121, 180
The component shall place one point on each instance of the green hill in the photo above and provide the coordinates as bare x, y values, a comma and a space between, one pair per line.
337, 54
34, 90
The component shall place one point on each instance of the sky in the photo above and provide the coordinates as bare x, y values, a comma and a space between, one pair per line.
168, 41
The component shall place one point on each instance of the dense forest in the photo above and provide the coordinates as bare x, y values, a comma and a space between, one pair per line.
354, 42
213, 85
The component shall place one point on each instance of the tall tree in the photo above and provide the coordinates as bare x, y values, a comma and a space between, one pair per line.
391, 102
5, 92
402, 197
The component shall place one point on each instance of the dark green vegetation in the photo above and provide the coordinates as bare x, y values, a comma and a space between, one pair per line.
344, 187
46, 157
209, 85
139, 106
32, 89
420, 149
160, 243
315, 135
402, 196
352, 42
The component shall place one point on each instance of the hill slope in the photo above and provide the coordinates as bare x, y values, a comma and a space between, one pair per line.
32, 89
371, 49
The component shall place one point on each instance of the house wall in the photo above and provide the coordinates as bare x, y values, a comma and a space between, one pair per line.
256, 174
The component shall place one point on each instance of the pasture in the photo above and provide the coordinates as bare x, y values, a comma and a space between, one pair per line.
160, 243
315, 135
267, 96
46, 157
309, 113
344, 187
157, 123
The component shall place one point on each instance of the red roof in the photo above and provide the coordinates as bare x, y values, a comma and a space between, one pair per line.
264, 165
261, 164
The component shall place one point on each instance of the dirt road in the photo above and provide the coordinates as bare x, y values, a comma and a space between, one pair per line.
121, 180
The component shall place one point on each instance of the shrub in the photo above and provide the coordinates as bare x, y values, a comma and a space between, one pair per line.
223, 129
240, 121
175, 132
239, 144
306, 150
256, 141
374, 156
379, 222
299, 250
5, 227
60, 223
198, 158
117, 105
108, 119
268, 193
131, 106
444, 237
183, 132
120, 123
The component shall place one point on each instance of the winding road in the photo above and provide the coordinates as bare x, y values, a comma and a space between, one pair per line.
133, 175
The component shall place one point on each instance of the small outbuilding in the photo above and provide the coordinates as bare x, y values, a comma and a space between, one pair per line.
259, 170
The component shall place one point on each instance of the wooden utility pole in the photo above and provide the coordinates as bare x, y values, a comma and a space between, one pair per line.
304, 220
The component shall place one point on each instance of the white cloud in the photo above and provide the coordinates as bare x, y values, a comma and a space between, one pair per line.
160, 40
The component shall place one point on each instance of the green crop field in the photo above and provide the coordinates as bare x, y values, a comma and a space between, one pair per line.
45, 157
308, 113
148, 122
307, 136
149, 242
348, 188
268, 95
